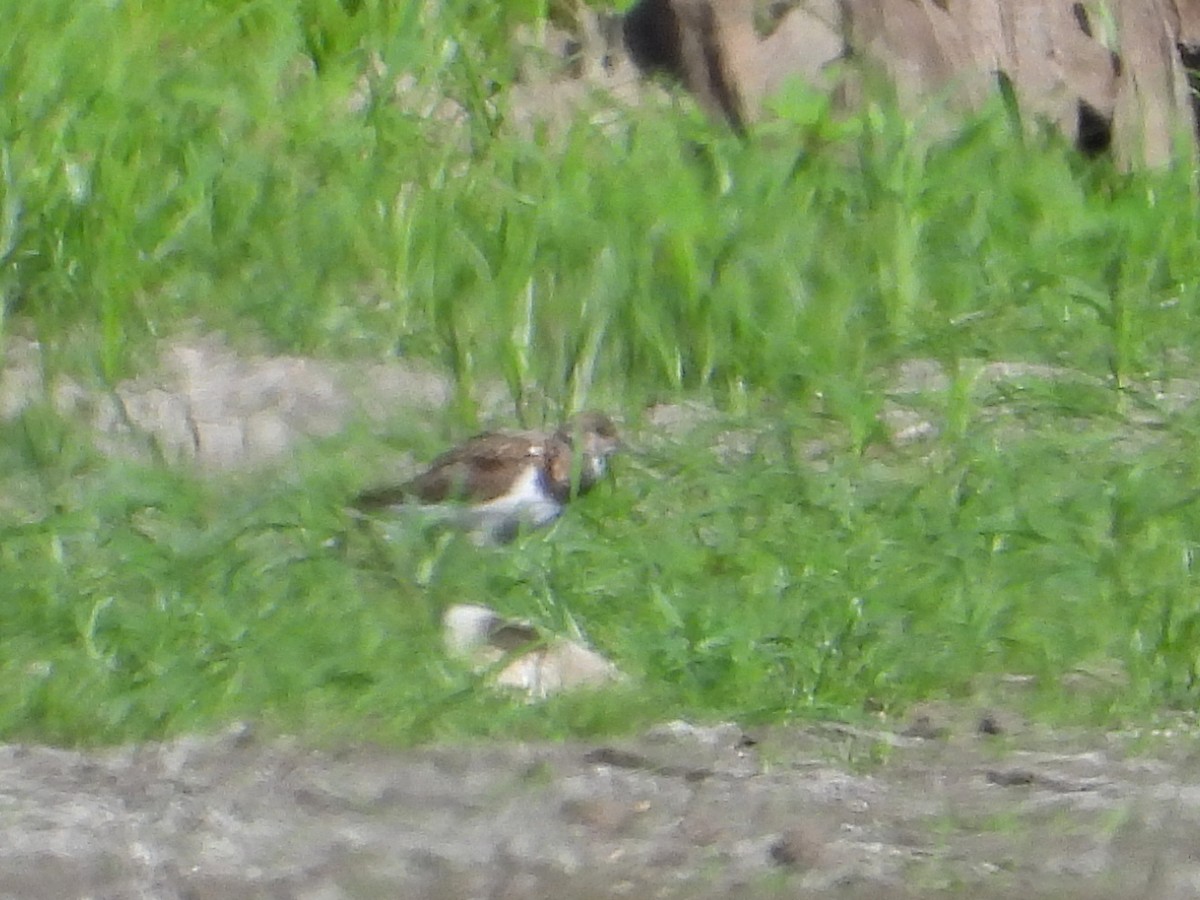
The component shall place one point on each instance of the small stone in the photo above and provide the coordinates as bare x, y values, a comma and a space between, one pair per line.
478, 633
1014, 777
240, 734
799, 847
924, 727
701, 830
471, 629
559, 666
990, 724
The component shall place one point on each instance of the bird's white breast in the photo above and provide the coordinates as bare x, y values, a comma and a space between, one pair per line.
526, 503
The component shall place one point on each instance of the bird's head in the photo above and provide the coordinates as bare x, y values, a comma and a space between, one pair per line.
596, 435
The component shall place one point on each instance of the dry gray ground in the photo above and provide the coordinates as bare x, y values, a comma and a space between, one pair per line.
679, 812
204, 404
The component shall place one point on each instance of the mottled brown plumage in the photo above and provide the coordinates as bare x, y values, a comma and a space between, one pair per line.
501, 480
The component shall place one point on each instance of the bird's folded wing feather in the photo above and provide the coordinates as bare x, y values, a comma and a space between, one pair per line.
479, 470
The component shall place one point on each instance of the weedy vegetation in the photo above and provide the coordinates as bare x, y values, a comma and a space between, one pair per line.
249, 168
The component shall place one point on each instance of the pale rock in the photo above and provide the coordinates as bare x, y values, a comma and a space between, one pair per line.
535, 667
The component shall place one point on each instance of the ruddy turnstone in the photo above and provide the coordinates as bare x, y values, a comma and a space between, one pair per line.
499, 482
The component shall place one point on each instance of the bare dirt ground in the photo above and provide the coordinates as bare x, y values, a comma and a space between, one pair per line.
679, 812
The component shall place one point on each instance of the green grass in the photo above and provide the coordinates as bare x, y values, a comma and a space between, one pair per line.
200, 167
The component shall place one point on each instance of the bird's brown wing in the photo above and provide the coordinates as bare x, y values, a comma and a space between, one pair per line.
479, 470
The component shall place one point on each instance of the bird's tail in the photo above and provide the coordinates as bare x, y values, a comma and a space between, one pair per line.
380, 498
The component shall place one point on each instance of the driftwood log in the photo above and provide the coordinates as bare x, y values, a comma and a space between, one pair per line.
1113, 75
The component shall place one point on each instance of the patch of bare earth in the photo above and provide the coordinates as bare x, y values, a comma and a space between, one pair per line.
678, 812
206, 405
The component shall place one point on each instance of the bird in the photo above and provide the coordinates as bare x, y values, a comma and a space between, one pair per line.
498, 483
